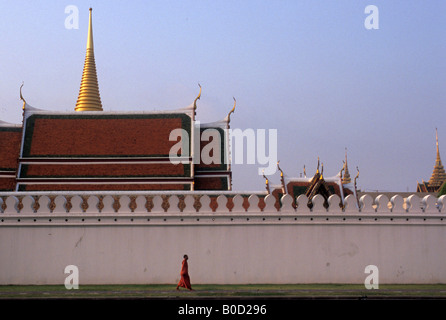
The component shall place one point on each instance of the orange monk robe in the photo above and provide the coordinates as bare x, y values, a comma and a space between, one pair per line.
185, 280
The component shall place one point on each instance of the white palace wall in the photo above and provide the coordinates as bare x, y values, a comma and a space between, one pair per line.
142, 241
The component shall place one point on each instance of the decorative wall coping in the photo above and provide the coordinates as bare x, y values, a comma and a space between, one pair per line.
211, 208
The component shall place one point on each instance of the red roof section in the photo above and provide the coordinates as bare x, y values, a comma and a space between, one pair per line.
10, 140
105, 170
87, 135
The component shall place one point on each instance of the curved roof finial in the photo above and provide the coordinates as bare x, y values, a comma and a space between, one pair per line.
322, 169
266, 182
198, 97
278, 167
342, 169
356, 187
232, 111
282, 178
21, 96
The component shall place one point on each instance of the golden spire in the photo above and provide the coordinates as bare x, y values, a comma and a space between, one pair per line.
346, 179
89, 98
438, 175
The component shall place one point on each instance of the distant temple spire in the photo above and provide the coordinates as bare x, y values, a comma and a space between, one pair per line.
346, 178
89, 98
438, 175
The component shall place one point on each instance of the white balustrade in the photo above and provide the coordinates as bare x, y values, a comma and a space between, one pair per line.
29, 204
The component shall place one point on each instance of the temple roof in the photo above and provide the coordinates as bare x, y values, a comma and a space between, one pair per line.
105, 134
10, 136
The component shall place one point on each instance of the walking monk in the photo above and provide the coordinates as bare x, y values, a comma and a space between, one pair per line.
185, 280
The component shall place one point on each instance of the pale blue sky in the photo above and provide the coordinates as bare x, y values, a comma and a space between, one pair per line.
309, 69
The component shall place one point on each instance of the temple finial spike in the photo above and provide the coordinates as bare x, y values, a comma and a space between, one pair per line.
197, 98
21, 96
232, 110
346, 179
436, 141
90, 32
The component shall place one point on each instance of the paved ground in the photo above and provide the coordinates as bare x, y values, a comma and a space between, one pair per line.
240, 292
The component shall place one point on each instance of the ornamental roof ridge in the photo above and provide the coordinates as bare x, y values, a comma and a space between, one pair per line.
32, 110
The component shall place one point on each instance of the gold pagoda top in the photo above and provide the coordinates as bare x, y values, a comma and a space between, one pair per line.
89, 98
438, 175
346, 179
